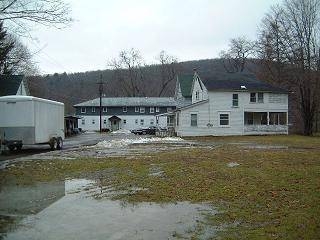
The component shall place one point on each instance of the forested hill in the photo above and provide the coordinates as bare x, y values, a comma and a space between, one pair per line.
78, 87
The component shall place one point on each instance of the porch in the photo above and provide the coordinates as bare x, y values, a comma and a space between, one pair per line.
265, 123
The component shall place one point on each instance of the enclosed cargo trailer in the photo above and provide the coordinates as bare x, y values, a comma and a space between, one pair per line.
31, 120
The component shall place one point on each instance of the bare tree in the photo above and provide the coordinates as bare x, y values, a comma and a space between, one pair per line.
235, 58
168, 70
289, 42
6, 46
19, 59
18, 13
128, 70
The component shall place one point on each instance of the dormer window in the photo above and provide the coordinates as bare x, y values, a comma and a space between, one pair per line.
197, 95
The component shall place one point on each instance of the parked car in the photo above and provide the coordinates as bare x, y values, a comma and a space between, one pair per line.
143, 131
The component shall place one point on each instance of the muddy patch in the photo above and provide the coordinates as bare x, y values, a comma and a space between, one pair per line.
119, 146
64, 210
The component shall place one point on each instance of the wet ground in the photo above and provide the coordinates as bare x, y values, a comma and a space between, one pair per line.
72, 210
101, 146
83, 209
83, 139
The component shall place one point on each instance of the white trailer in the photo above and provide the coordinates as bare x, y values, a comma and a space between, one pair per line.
30, 120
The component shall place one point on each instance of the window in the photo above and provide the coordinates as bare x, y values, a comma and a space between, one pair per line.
235, 100
157, 109
248, 118
151, 109
170, 121
255, 118
104, 109
83, 110
93, 121
151, 121
141, 122
124, 109
169, 109
277, 118
105, 121
253, 97
194, 120
93, 109
136, 121
260, 97
83, 121
124, 121
136, 109
224, 119
142, 109
197, 95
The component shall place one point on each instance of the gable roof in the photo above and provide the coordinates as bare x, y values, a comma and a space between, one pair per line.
233, 82
130, 101
9, 84
185, 82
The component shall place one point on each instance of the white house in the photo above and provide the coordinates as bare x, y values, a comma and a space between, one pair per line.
229, 104
124, 112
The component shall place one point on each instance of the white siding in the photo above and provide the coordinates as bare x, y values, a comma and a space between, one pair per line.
130, 122
221, 102
22, 89
199, 87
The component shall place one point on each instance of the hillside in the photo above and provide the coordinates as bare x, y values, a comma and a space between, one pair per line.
77, 87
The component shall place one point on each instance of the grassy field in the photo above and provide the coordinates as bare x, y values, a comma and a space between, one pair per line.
274, 193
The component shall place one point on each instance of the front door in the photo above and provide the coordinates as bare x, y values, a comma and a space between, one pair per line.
114, 125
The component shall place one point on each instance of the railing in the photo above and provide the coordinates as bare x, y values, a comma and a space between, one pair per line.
266, 128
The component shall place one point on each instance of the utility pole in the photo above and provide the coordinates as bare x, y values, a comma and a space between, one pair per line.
100, 106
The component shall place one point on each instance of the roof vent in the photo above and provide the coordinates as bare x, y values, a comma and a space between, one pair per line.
243, 87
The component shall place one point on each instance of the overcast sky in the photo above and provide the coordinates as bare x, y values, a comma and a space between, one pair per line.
186, 29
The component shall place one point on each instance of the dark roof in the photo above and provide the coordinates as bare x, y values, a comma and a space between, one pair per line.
185, 82
9, 84
234, 81
130, 101
114, 118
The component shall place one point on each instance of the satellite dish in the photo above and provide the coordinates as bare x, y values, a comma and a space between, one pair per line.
243, 87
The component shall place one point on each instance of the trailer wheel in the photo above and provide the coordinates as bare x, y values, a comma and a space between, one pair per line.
59, 143
53, 143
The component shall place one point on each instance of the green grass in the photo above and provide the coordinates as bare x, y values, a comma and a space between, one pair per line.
272, 194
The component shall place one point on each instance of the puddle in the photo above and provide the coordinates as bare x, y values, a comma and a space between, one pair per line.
68, 210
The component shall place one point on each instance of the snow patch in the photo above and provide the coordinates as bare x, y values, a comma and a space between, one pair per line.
119, 143
121, 131
233, 164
